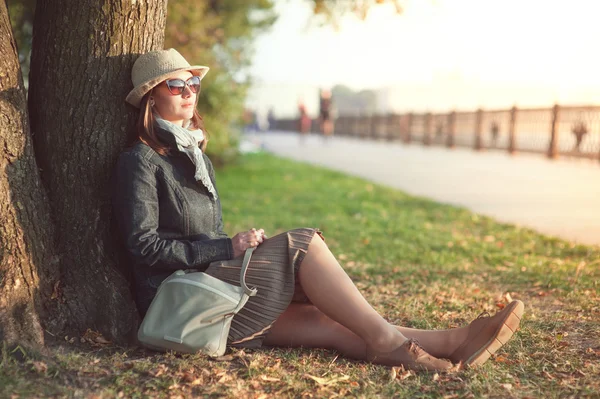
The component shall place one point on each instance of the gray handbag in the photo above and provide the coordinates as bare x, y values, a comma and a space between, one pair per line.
192, 312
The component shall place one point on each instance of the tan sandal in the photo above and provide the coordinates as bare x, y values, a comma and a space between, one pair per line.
487, 334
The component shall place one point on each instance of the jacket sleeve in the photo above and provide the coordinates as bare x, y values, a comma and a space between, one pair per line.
211, 172
135, 199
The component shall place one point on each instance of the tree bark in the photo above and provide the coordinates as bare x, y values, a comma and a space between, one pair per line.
81, 62
26, 254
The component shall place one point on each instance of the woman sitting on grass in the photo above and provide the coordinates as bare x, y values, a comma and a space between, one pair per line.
169, 214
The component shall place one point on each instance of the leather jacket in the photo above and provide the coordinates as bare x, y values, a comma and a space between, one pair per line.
167, 220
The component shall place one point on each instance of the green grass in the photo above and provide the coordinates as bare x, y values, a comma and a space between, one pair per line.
421, 264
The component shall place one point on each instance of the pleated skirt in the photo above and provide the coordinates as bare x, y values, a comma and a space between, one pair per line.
273, 270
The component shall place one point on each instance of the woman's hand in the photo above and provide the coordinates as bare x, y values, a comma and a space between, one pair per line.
247, 239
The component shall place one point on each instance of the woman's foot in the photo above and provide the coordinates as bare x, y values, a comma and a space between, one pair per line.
487, 334
410, 355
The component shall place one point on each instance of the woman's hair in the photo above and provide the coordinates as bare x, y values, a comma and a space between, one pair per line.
145, 129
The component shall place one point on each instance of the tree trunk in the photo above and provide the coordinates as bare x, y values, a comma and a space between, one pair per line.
81, 62
26, 260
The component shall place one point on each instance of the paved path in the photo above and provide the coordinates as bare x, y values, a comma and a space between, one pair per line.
559, 198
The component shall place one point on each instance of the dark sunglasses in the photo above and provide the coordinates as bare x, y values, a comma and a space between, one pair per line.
177, 86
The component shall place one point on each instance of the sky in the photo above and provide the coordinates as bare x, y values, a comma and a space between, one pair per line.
435, 56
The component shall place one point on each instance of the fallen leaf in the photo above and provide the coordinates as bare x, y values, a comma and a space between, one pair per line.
40, 367
270, 379
160, 371
393, 374
500, 305
508, 297
226, 358
94, 337
188, 377
325, 381
508, 387
548, 375
404, 375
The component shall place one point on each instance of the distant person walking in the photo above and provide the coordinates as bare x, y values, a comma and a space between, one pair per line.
272, 122
304, 121
325, 117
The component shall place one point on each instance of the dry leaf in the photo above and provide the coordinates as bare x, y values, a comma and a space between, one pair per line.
95, 337
508, 297
508, 387
393, 374
160, 371
405, 374
270, 379
548, 375
226, 358
188, 377
325, 381
489, 239
40, 367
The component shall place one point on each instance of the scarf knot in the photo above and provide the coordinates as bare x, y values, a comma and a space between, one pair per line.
187, 142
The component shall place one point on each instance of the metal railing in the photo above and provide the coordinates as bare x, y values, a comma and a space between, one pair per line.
560, 130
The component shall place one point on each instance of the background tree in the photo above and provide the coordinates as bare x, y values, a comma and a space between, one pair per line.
25, 229
219, 33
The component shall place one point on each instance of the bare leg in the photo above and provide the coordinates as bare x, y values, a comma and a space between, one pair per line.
330, 289
304, 325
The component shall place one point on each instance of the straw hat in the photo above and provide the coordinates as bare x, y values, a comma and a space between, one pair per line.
152, 68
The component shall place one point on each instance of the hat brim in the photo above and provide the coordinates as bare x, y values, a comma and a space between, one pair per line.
135, 96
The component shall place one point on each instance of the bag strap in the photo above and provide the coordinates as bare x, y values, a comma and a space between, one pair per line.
245, 263
248, 292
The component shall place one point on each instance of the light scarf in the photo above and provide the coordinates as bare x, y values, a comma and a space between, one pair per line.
187, 142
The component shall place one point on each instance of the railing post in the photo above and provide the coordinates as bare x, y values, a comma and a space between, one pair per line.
451, 129
427, 132
399, 127
368, 126
512, 145
478, 129
389, 122
407, 134
374, 127
553, 145
361, 123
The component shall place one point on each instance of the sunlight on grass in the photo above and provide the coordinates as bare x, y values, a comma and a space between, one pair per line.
419, 263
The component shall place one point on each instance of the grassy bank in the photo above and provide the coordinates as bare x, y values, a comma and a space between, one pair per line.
420, 263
